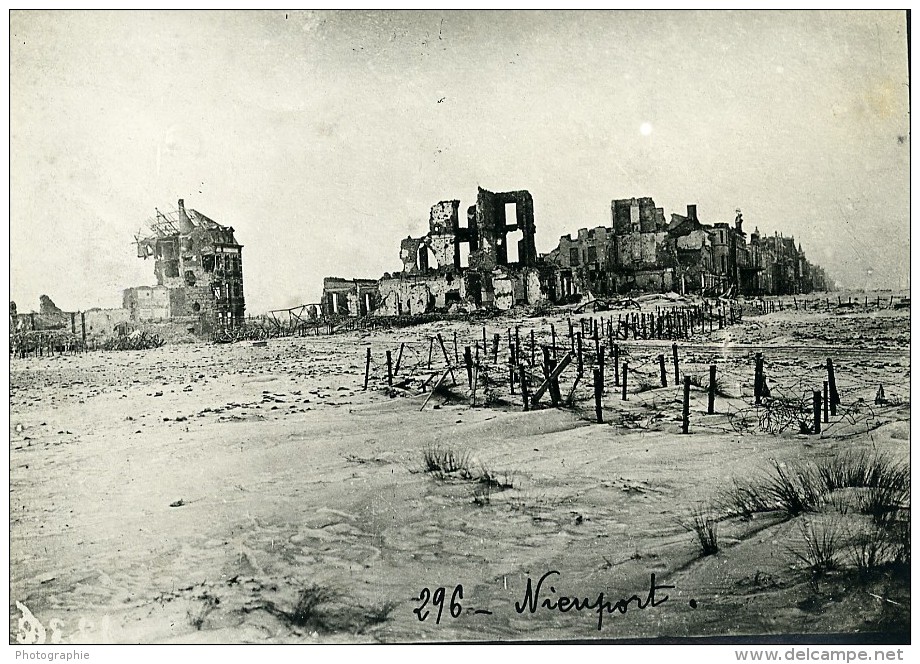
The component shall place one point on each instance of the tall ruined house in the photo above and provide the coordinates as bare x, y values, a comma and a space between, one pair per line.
199, 270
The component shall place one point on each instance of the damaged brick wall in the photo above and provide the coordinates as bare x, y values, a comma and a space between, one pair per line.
200, 263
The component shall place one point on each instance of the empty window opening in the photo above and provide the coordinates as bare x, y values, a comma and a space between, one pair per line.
512, 237
464, 254
422, 261
189, 278
574, 256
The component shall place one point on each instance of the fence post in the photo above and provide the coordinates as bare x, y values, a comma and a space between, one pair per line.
580, 359
832, 387
453, 379
616, 364
826, 405
367, 368
758, 377
495, 339
398, 358
554, 393
389, 368
625, 376
816, 402
552, 332
598, 388
525, 393
664, 373
711, 409
533, 349
676, 366
686, 409
468, 360
600, 361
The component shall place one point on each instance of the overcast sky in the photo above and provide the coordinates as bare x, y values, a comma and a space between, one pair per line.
324, 138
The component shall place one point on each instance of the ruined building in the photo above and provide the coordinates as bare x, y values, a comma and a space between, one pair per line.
640, 252
489, 260
199, 271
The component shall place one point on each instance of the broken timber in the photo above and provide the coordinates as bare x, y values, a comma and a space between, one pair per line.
552, 378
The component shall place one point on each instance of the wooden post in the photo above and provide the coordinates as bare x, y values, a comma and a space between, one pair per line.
495, 339
580, 359
533, 349
664, 374
625, 377
524, 391
676, 365
597, 342
447, 359
554, 392
816, 402
832, 387
476, 366
571, 335
826, 405
399, 358
389, 369
616, 364
598, 388
367, 368
83, 327
600, 362
430, 348
758, 377
511, 365
552, 331
686, 411
711, 408
456, 353
468, 360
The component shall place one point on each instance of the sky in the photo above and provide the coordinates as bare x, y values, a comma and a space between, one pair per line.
324, 138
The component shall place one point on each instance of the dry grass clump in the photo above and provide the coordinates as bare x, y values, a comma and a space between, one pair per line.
444, 462
819, 546
800, 488
706, 528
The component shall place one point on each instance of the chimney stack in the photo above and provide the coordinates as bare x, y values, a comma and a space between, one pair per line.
691, 212
185, 224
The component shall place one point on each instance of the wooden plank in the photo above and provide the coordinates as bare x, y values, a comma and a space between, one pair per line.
566, 360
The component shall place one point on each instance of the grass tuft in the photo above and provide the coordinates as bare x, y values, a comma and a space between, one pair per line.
819, 547
306, 610
443, 462
706, 529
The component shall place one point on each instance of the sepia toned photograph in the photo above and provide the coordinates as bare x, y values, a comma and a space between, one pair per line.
398, 327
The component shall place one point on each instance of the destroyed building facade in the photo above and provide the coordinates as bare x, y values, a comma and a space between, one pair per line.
491, 261
487, 260
199, 271
641, 253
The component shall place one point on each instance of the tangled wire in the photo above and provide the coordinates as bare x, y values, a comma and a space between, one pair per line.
138, 340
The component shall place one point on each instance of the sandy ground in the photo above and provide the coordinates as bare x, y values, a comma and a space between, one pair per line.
292, 478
